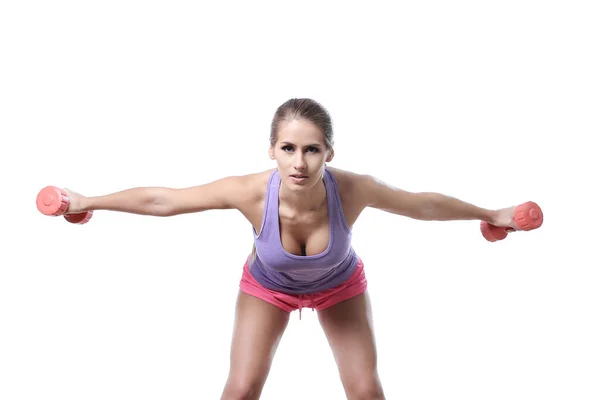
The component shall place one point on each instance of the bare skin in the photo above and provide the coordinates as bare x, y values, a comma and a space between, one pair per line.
304, 226
349, 330
257, 332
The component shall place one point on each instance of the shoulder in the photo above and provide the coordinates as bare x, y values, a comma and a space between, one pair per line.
252, 186
353, 185
348, 180
241, 192
258, 181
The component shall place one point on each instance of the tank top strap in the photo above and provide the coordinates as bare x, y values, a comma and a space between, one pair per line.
269, 204
334, 201
274, 179
271, 212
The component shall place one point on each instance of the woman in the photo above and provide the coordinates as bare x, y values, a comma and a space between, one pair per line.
302, 213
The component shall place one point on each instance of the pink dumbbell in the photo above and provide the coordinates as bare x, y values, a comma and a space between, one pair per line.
528, 216
55, 201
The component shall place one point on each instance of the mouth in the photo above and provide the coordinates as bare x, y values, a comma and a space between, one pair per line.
298, 178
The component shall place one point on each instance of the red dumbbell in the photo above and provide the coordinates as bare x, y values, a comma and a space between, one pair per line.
55, 201
528, 216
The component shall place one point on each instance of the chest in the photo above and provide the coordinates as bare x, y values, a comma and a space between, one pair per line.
304, 234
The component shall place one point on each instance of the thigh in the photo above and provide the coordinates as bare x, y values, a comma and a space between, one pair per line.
257, 332
348, 326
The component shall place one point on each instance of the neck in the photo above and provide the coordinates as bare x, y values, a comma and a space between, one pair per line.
305, 200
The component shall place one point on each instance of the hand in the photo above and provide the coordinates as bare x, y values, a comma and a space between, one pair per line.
75, 202
504, 218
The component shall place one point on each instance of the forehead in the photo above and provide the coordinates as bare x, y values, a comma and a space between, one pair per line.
299, 131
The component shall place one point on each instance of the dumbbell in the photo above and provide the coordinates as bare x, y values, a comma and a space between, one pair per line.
528, 216
55, 201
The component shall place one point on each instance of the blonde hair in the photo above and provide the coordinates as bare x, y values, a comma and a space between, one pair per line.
308, 109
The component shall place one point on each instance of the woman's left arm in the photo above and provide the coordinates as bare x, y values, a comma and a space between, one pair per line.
428, 206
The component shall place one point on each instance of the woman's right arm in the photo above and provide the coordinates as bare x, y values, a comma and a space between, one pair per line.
225, 193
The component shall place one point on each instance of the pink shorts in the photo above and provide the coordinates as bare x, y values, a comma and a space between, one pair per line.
353, 286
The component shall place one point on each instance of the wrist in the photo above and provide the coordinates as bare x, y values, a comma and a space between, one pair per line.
86, 204
490, 216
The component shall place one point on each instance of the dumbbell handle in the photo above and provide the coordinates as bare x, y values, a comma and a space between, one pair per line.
527, 216
55, 201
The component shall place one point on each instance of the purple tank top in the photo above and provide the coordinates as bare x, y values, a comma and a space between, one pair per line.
276, 269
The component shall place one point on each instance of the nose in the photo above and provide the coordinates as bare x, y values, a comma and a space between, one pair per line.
299, 162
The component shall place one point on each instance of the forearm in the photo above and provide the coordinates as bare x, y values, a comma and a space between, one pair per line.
140, 200
439, 207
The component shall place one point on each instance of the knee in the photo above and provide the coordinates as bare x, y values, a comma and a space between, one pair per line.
242, 389
365, 388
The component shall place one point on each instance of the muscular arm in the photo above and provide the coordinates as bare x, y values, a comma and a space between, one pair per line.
226, 193
429, 206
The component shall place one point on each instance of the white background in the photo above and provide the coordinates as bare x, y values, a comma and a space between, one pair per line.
495, 103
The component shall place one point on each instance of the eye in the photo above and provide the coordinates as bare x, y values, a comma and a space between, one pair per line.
287, 148
313, 150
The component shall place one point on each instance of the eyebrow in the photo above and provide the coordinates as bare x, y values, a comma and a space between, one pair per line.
308, 145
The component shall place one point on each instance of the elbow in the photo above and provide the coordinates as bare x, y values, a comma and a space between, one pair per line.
161, 211
160, 203
427, 207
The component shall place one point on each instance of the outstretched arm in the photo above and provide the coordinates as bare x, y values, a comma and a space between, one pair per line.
428, 206
224, 193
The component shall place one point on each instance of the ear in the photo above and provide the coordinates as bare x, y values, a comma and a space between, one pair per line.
271, 153
330, 155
